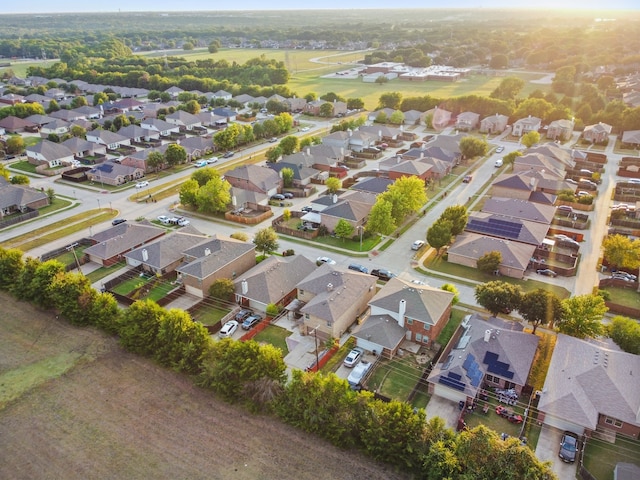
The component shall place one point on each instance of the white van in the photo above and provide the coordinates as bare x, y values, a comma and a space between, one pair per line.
498, 163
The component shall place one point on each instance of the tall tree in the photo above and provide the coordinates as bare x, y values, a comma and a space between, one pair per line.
508, 89
498, 296
622, 252
289, 145
287, 177
189, 193
450, 287
625, 332
582, 316
530, 139
333, 185
343, 229
266, 240
489, 262
380, 219
390, 100
458, 216
471, 147
215, 196
406, 195
155, 160
175, 154
439, 234
540, 307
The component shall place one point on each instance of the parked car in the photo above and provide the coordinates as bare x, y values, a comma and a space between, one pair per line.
565, 208
500, 149
273, 140
547, 272
228, 154
183, 222
358, 373
619, 276
353, 358
570, 180
382, 274
358, 268
467, 179
307, 209
582, 193
321, 260
118, 221
212, 160
142, 184
586, 171
277, 196
228, 329
251, 322
288, 195
635, 181
498, 163
304, 129
242, 315
417, 245
201, 163
568, 447
163, 219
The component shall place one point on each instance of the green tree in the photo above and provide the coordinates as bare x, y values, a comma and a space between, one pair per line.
287, 177
181, 342
243, 237
155, 160
11, 264
326, 110
189, 193
396, 118
78, 131
391, 100
498, 296
20, 180
536, 107
471, 147
458, 216
449, 287
622, 252
500, 61
530, 139
380, 219
508, 89
215, 196
203, 175
175, 155
214, 46
289, 145
510, 158
625, 332
406, 195
333, 185
540, 307
15, 144
53, 107
273, 154
286, 214
231, 367
266, 240
139, 326
343, 229
489, 262
582, 316
439, 234
222, 288
4, 172
192, 106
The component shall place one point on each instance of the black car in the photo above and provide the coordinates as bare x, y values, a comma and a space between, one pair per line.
118, 221
278, 196
288, 195
242, 315
547, 272
568, 447
250, 322
382, 274
307, 209
358, 268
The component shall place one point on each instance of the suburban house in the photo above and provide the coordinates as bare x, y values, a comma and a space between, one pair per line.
39, 120
507, 228
560, 129
467, 121
631, 137
419, 310
19, 198
439, 118
562, 156
375, 185
110, 139
227, 113
55, 127
184, 120
481, 355
110, 245
163, 128
360, 140
295, 104
222, 95
591, 388
338, 139
83, 148
113, 173
139, 134
523, 209
469, 247
164, 255
49, 153
197, 147
539, 163
597, 133
494, 124
67, 115
174, 91
212, 259
273, 280
352, 206
302, 174
13, 124
210, 119
139, 159
514, 186
255, 178
526, 125
332, 298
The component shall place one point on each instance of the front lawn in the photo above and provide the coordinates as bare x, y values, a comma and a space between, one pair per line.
600, 457
276, 336
627, 297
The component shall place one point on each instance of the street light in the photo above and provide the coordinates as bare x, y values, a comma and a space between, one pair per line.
98, 203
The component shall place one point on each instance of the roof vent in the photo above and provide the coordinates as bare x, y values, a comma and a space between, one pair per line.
329, 287
207, 252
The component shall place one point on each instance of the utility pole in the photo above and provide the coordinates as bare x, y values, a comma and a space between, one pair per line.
72, 248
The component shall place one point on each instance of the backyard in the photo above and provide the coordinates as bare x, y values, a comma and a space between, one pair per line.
600, 456
276, 336
145, 287
397, 377
209, 313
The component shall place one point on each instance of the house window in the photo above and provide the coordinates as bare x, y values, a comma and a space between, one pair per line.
409, 321
492, 379
509, 385
418, 337
427, 327
306, 316
613, 421
301, 292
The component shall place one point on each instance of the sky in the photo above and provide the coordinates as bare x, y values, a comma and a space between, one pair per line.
46, 6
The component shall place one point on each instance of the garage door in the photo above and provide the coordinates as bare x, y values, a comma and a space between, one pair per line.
193, 291
449, 393
562, 424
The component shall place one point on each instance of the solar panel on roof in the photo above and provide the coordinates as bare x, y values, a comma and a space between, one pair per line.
455, 376
476, 378
449, 382
468, 361
490, 357
495, 227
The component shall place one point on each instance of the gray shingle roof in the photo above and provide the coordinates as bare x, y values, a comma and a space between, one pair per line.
275, 277
167, 249
262, 177
586, 380
16, 195
514, 254
211, 255
51, 150
530, 232
513, 207
122, 238
381, 330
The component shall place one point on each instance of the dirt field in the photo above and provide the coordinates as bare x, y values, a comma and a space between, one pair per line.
73, 405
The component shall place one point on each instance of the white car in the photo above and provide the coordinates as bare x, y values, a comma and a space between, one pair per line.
353, 358
212, 160
417, 245
163, 219
304, 129
228, 329
321, 260
500, 149
183, 222
358, 373
142, 184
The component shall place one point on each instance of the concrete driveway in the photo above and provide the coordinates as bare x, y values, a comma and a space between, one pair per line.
445, 409
547, 449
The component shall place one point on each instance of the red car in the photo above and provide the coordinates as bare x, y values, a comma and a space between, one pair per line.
508, 414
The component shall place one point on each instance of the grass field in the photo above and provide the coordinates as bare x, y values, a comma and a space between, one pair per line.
276, 336
395, 378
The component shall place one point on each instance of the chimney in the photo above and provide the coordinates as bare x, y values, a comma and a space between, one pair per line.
334, 198
487, 335
402, 308
145, 255
245, 287
207, 252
